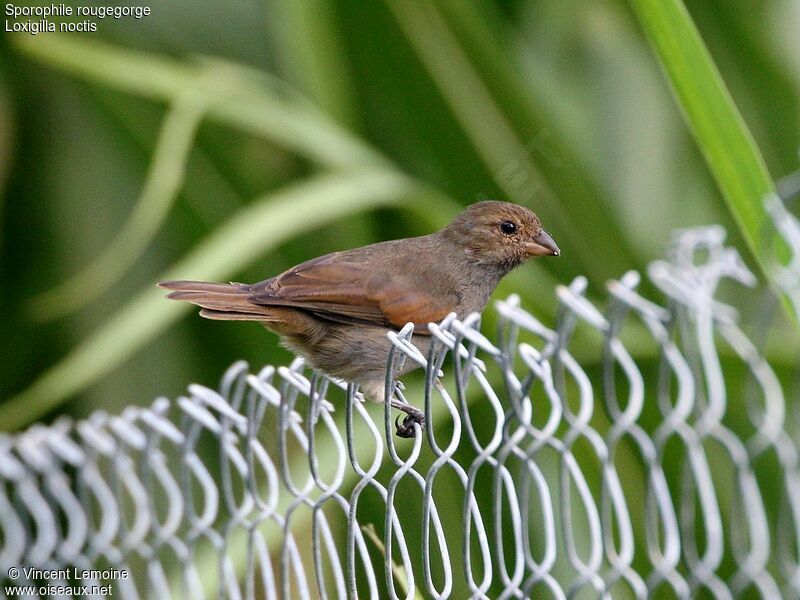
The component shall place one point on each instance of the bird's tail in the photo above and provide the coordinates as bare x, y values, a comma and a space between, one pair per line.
221, 301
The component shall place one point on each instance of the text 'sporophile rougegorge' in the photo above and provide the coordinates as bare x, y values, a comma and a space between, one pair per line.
66, 18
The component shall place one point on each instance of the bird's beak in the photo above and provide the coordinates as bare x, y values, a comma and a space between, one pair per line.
542, 245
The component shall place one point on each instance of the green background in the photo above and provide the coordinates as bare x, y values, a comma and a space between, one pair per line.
231, 139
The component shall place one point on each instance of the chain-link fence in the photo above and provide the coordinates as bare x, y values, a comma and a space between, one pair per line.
641, 451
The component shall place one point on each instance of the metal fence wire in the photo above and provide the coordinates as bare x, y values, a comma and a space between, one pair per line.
646, 450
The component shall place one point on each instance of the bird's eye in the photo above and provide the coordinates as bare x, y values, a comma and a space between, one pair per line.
508, 228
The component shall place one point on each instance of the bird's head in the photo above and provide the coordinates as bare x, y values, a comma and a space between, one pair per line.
501, 234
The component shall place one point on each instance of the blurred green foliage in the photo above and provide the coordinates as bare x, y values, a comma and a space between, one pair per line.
127, 149
231, 139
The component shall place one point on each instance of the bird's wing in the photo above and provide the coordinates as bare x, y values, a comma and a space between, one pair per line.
346, 291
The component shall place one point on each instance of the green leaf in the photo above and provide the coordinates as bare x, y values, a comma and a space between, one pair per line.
719, 129
259, 105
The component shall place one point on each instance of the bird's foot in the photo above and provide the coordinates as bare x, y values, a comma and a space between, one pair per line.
406, 428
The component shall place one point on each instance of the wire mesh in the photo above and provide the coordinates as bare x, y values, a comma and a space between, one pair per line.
640, 451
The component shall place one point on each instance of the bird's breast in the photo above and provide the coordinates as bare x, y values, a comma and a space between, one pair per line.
475, 291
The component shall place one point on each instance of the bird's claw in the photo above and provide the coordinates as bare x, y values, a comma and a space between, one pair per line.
406, 428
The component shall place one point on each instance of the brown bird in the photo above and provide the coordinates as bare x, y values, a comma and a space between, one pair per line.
336, 310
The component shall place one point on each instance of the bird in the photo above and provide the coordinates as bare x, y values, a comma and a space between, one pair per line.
336, 310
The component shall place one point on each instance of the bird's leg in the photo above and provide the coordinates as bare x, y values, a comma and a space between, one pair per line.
413, 415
